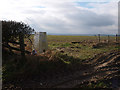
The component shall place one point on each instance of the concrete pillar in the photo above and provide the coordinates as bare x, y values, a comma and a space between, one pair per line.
40, 42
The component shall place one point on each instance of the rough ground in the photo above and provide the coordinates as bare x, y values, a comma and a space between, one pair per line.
104, 66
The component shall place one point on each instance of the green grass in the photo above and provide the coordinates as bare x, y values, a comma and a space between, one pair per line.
83, 50
61, 38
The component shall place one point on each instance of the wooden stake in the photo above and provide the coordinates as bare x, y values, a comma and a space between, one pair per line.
99, 38
116, 38
22, 47
108, 38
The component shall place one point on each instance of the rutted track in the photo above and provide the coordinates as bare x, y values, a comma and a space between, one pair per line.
95, 70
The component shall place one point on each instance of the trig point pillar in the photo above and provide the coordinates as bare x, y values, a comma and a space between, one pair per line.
40, 42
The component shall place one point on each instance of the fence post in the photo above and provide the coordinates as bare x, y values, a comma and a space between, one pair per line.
108, 38
95, 38
116, 38
99, 38
22, 47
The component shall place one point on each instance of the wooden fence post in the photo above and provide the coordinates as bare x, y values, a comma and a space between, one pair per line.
108, 38
22, 46
96, 38
99, 38
116, 38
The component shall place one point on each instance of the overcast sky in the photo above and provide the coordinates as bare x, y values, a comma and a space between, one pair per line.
64, 16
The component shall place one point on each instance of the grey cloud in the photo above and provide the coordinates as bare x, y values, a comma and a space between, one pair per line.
100, 20
91, 19
76, 21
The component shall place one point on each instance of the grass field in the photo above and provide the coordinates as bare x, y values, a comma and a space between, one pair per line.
84, 49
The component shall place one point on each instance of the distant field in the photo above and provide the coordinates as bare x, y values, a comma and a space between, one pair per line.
62, 38
82, 50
